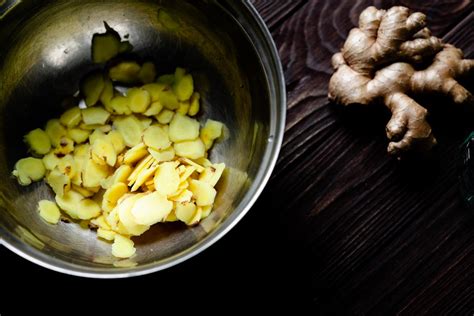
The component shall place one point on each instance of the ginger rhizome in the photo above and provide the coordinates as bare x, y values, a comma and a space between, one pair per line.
390, 58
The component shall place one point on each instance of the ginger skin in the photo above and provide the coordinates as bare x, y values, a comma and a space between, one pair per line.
382, 62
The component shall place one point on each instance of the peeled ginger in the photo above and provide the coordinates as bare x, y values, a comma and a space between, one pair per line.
49, 211
28, 170
130, 159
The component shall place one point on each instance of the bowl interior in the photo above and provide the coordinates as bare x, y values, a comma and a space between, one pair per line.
45, 52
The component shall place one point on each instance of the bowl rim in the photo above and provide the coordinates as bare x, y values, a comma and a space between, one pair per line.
270, 156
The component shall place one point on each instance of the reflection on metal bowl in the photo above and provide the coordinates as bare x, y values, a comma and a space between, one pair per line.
45, 52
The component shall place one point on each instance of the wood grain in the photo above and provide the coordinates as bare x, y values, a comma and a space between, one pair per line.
375, 236
275, 11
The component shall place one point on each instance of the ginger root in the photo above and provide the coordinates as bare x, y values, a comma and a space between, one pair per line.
390, 58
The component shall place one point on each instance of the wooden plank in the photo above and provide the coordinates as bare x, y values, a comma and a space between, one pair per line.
450, 290
375, 236
442, 15
275, 11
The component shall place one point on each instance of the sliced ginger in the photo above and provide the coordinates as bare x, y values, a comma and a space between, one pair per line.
107, 93
49, 211
92, 87
143, 176
135, 153
185, 212
154, 109
120, 105
206, 210
211, 131
103, 152
166, 179
155, 89
71, 117
55, 131
106, 46
68, 202
139, 100
50, 161
183, 128
66, 146
28, 170
151, 208
130, 128
38, 141
147, 73
183, 196
88, 209
163, 155
95, 115
194, 104
167, 79
192, 149
93, 173
203, 192
112, 195
126, 72
126, 218
212, 174
120, 176
123, 247
156, 138
78, 135
127, 161
106, 234
165, 116
144, 163
184, 87
168, 99
58, 181
116, 139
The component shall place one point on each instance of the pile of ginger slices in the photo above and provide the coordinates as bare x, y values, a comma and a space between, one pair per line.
121, 162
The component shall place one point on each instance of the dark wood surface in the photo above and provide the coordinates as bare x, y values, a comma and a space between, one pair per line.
371, 235
341, 229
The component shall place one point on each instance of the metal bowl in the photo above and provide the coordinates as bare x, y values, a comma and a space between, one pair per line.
45, 51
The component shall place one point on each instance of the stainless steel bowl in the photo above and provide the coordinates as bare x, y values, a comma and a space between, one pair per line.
45, 51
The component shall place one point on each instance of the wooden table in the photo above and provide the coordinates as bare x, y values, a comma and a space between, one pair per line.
341, 228
365, 233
